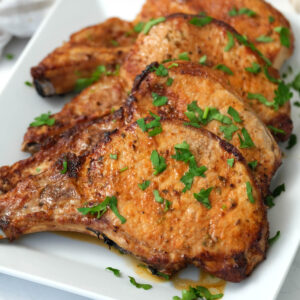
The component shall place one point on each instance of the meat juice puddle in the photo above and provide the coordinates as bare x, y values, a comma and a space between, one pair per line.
180, 281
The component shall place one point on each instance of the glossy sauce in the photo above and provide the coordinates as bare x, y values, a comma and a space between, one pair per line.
214, 284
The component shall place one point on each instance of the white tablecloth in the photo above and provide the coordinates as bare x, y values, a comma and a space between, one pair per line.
16, 289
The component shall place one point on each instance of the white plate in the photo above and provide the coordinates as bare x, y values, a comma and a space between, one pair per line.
79, 267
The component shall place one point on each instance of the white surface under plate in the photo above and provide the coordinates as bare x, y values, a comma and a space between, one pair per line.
78, 266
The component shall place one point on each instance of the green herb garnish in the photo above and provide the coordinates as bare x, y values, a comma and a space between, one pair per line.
230, 162
145, 184
158, 162
200, 21
169, 81
202, 60
243, 11
296, 83
28, 83
200, 292
292, 141
116, 272
161, 71
157, 197
173, 65
270, 77
203, 197
247, 141
282, 95
115, 43
271, 19
152, 23
230, 43
272, 240
249, 192
123, 169
297, 103
140, 285
184, 56
101, 209
139, 27
223, 68
43, 119
9, 56
228, 131
252, 164
234, 114
155, 125
277, 191
284, 36
113, 156
262, 99
65, 167
159, 100
264, 39
255, 69
276, 130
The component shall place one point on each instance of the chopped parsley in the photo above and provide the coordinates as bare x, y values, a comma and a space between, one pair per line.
284, 36
264, 39
197, 116
169, 81
262, 99
161, 71
292, 141
28, 83
247, 141
65, 167
201, 21
152, 23
252, 164
270, 77
296, 83
228, 131
277, 191
159, 100
230, 43
113, 156
203, 197
230, 162
297, 103
249, 192
223, 68
272, 240
282, 95
173, 65
101, 209
9, 56
276, 130
167, 207
123, 169
157, 197
158, 162
184, 56
139, 27
116, 272
183, 153
243, 11
115, 43
155, 125
234, 114
43, 119
255, 69
271, 19
145, 184
140, 285
200, 292
202, 60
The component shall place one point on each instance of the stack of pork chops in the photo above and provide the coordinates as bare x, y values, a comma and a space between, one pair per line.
169, 149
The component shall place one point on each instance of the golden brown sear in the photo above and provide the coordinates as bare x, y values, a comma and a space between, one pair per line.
218, 224
252, 18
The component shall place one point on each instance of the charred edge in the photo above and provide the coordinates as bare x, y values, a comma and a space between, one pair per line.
285, 123
74, 163
44, 87
140, 78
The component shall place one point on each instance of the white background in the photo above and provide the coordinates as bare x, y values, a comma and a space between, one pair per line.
14, 289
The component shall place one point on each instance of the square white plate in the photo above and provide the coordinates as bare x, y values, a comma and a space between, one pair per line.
78, 266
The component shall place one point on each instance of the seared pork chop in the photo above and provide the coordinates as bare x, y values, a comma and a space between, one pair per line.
195, 88
252, 18
219, 223
196, 37
103, 44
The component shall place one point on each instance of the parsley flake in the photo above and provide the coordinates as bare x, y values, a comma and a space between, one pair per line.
158, 162
140, 285
297, 103
123, 169
243, 11
282, 95
249, 192
155, 125
284, 36
234, 114
101, 209
28, 83
65, 167
202, 60
230, 43
157, 197
271, 19
270, 77
113, 156
247, 141
169, 81
292, 141
252, 164
173, 65
115, 43
161, 71
296, 83
276, 192
201, 20
200, 292
223, 68
145, 184
262, 99
43, 119
228, 131
152, 23
255, 69
230, 162
203, 197
276, 130
264, 39
159, 100
184, 56
139, 27
272, 240
116, 272
9, 56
